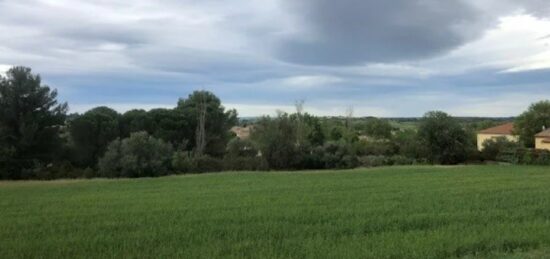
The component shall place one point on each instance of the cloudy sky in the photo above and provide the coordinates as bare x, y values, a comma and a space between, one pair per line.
383, 58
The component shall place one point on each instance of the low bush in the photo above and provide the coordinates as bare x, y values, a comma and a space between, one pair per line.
374, 161
524, 156
182, 162
244, 164
185, 163
493, 147
140, 155
401, 160
205, 163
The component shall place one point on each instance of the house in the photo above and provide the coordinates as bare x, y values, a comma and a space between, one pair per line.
542, 140
242, 132
504, 130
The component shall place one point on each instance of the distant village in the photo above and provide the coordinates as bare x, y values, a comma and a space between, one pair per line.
542, 139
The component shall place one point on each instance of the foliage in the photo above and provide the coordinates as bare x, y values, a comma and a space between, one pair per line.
377, 128
339, 155
218, 121
381, 160
493, 148
276, 140
241, 148
187, 162
532, 121
30, 122
206, 163
91, 133
182, 162
408, 144
135, 121
137, 156
523, 156
376, 147
445, 139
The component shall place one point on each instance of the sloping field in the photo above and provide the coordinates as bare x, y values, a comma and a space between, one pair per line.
397, 212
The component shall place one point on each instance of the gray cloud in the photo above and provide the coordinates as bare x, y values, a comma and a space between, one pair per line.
358, 31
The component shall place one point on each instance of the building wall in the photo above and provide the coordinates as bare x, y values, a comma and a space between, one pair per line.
540, 145
481, 138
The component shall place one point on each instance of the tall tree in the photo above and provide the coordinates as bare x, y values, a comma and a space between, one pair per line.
134, 121
276, 140
533, 121
217, 121
92, 132
444, 138
30, 121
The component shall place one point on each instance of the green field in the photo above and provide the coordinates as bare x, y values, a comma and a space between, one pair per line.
416, 212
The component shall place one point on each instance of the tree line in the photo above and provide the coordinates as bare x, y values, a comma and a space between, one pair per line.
40, 140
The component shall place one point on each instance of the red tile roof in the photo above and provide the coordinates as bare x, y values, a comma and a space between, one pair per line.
544, 134
504, 129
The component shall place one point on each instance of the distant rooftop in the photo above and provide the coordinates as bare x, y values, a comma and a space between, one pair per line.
544, 134
504, 129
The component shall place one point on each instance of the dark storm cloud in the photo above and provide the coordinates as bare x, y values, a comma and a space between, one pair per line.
359, 31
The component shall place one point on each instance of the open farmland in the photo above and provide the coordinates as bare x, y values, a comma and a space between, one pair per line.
420, 212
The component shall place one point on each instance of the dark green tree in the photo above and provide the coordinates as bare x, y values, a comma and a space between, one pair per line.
30, 122
217, 121
444, 138
171, 126
532, 121
134, 121
91, 133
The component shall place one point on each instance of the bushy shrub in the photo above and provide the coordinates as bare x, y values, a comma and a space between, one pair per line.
57, 170
182, 162
243, 155
374, 161
244, 163
409, 145
523, 156
241, 148
493, 147
205, 163
401, 160
377, 148
185, 162
543, 158
140, 155
338, 154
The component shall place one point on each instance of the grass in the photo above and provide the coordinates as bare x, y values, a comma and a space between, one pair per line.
395, 212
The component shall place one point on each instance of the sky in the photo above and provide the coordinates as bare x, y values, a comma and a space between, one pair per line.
397, 58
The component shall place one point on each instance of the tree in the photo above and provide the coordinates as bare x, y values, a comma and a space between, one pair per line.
378, 128
204, 109
134, 121
140, 155
30, 122
171, 126
532, 121
92, 132
444, 138
276, 140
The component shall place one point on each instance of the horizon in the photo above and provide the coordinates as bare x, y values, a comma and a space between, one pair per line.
488, 59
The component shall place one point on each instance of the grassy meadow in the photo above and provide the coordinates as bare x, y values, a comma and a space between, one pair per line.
394, 212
